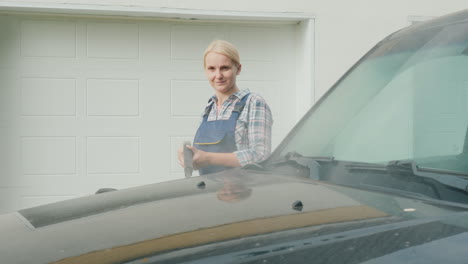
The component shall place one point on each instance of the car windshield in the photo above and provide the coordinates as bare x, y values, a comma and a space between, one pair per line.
407, 99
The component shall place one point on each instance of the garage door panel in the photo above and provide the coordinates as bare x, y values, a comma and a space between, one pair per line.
41, 67
256, 43
113, 155
260, 70
115, 72
183, 125
190, 69
113, 40
44, 185
189, 97
100, 64
155, 44
155, 100
44, 126
48, 97
48, 38
112, 97
108, 126
48, 155
199, 36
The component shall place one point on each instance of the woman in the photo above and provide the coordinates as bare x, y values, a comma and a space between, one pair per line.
236, 126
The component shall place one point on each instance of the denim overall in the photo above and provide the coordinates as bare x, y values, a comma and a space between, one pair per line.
218, 136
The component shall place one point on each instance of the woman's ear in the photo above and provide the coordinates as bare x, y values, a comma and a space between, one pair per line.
239, 69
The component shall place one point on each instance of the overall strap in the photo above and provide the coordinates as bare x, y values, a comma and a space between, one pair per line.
240, 105
208, 109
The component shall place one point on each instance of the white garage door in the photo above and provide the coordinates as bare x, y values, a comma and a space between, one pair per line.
93, 102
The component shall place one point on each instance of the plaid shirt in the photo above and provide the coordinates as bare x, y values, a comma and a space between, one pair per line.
253, 128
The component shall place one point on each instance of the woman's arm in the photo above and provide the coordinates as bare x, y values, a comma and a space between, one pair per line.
259, 128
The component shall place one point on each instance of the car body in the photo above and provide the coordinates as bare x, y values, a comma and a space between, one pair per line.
375, 172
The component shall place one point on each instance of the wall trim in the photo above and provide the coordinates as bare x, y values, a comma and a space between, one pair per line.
150, 12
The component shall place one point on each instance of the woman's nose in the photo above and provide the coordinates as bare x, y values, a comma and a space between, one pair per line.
219, 75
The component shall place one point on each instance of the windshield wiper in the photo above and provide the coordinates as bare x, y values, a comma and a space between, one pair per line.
295, 156
447, 178
312, 163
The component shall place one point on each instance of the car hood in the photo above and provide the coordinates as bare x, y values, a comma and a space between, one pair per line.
258, 212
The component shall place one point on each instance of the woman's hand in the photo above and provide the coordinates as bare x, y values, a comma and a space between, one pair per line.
200, 158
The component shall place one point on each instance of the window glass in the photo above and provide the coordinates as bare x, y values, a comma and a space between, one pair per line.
405, 100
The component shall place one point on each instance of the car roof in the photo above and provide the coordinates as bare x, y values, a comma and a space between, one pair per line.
442, 21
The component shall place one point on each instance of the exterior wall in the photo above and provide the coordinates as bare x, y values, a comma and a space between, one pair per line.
344, 30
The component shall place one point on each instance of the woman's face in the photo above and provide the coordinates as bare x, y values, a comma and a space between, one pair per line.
221, 73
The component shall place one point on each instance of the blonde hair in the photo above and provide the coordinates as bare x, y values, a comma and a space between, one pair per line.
223, 47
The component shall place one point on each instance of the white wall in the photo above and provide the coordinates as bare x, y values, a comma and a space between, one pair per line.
344, 30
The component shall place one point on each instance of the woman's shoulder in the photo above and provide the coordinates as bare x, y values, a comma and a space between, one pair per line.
255, 96
256, 99
258, 107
